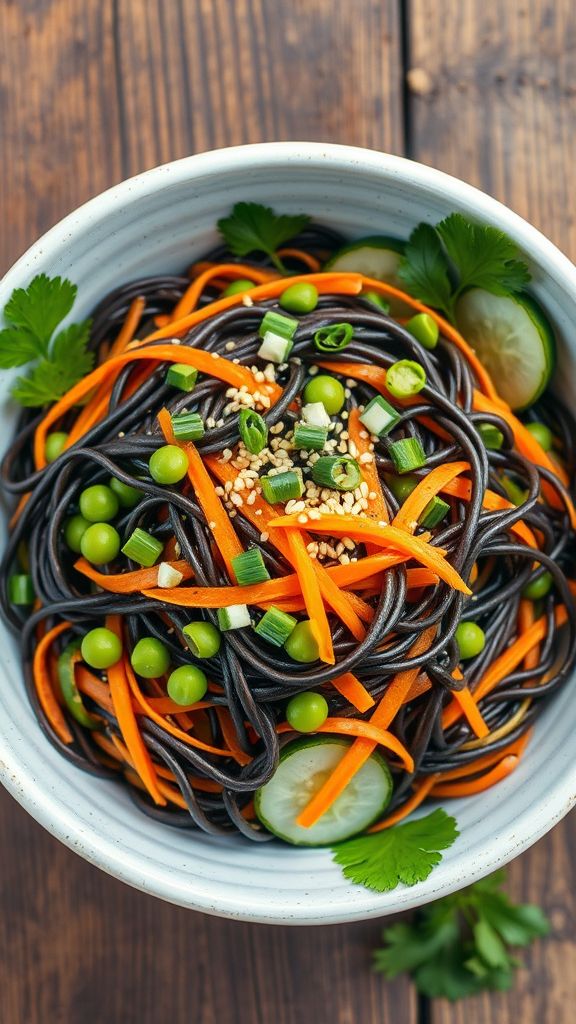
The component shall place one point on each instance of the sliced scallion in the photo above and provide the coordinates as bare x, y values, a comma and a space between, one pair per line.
275, 626
282, 487
143, 548
310, 439
407, 455
275, 348
168, 576
182, 377
236, 616
405, 378
379, 417
436, 510
340, 472
21, 589
333, 338
492, 437
277, 323
253, 431
188, 426
315, 415
249, 568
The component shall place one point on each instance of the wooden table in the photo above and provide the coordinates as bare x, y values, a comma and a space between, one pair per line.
92, 91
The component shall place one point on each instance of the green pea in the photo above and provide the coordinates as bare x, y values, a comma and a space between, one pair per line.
101, 648
539, 587
150, 658
542, 434
55, 445
187, 684
327, 390
127, 496
306, 712
98, 504
299, 298
302, 645
424, 329
74, 530
376, 300
168, 465
202, 638
470, 639
100, 543
402, 486
238, 287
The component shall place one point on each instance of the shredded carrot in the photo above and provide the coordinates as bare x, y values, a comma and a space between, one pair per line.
493, 502
43, 683
130, 582
216, 515
361, 749
425, 490
457, 789
363, 529
470, 710
350, 687
311, 592
366, 731
418, 797
129, 327
486, 760
307, 258
124, 712
229, 734
232, 271
527, 618
377, 507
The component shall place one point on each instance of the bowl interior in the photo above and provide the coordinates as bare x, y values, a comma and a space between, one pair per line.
160, 222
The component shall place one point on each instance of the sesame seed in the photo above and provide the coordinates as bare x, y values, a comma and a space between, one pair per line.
372, 495
232, 513
247, 301
365, 458
302, 519
352, 449
251, 498
313, 370
344, 415
350, 383
344, 559
277, 428
258, 511
382, 522
364, 435
364, 503
236, 499
314, 513
364, 489
264, 537
215, 355
226, 455
348, 543
230, 346
219, 491
212, 524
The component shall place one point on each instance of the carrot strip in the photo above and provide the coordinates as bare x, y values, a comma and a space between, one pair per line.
456, 789
364, 529
121, 700
361, 749
312, 595
377, 507
213, 509
128, 329
470, 710
349, 687
364, 730
307, 258
94, 688
229, 734
493, 502
131, 582
418, 797
43, 683
233, 271
425, 490
527, 618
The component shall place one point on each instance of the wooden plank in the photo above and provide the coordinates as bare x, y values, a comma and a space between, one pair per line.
92, 93
494, 104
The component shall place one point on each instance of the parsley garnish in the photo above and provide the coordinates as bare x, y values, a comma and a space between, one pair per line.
441, 262
255, 228
462, 943
405, 853
32, 315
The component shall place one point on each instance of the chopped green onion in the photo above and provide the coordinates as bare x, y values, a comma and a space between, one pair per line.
424, 329
278, 324
70, 693
143, 548
311, 439
249, 568
275, 348
405, 378
333, 338
182, 377
21, 589
436, 510
340, 472
543, 435
492, 437
168, 576
188, 426
253, 431
407, 455
379, 417
282, 486
515, 493
315, 415
376, 300
275, 626
236, 616
401, 486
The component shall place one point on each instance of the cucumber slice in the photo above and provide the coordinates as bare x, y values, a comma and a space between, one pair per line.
513, 340
377, 256
304, 767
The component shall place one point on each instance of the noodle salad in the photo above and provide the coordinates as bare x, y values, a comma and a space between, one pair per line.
292, 533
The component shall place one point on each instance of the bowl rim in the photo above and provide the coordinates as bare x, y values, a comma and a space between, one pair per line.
33, 794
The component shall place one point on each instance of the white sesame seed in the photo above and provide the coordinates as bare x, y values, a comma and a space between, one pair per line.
239, 484
258, 511
302, 519
348, 543
364, 503
215, 355
372, 495
277, 428
364, 489
232, 513
251, 498
212, 525
236, 499
230, 346
344, 559
364, 435
365, 458
247, 301
313, 513
352, 449
382, 522
313, 370
264, 537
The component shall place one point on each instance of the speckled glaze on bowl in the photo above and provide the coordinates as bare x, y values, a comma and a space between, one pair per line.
159, 221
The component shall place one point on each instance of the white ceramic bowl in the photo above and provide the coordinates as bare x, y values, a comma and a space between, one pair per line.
159, 221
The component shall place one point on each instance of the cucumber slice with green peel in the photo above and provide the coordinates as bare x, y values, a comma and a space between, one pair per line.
377, 256
512, 339
304, 767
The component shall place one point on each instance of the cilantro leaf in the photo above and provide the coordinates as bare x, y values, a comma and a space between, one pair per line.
424, 269
406, 853
40, 307
17, 347
255, 228
483, 256
460, 945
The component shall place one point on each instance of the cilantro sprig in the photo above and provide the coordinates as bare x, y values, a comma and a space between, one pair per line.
463, 943
441, 262
255, 228
57, 361
406, 853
